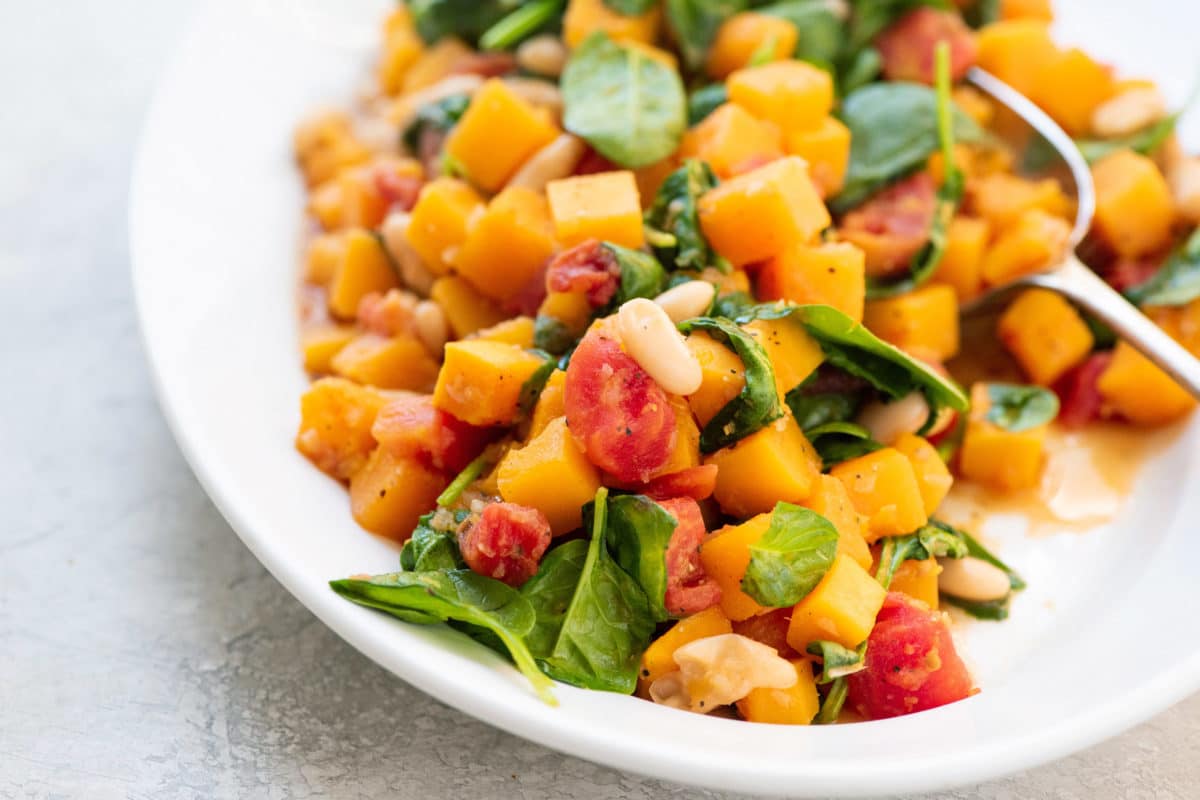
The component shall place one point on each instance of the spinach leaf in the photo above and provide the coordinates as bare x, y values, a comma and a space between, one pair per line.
1145, 141
532, 388
641, 274
871, 17
982, 12
460, 595
694, 25
631, 8
838, 661
550, 335
639, 531
935, 540
676, 211
1177, 283
439, 116
732, 305
550, 592
791, 558
607, 625
467, 19
1019, 408
861, 69
629, 106
531, 17
822, 33
990, 610
705, 100
470, 473
812, 408
893, 131
836, 442
835, 699
431, 549
757, 405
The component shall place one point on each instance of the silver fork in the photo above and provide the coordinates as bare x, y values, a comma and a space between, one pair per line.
1072, 278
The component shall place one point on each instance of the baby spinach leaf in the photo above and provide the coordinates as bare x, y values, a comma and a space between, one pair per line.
859, 70
982, 12
838, 661
791, 557
629, 106
676, 211
1145, 141
639, 531
694, 24
430, 549
836, 442
705, 100
990, 610
551, 335
532, 388
814, 410
518, 25
631, 8
467, 19
732, 305
835, 699
935, 540
550, 592
641, 274
871, 17
460, 595
757, 405
822, 33
440, 116
1019, 408
1177, 283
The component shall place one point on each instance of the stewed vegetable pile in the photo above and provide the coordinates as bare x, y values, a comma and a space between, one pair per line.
636, 323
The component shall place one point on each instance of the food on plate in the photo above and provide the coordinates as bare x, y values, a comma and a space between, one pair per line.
636, 325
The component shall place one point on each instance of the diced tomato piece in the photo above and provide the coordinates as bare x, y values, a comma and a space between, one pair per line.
485, 65
506, 543
689, 588
410, 425
911, 663
398, 191
587, 267
388, 314
1129, 272
1079, 400
909, 44
894, 225
698, 483
771, 629
592, 163
618, 414
529, 297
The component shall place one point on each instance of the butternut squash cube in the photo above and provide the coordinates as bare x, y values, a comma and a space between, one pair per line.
401, 49
687, 439
933, 477
550, 404
1070, 86
722, 376
584, 17
793, 353
831, 500
389, 494
962, 262
572, 309
650, 179
498, 133
480, 381
925, 320
602, 206
325, 144
466, 309
1001, 198
918, 580
399, 362
434, 64
1037, 241
517, 331
1040, 10
363, 268
744, 36
659, 658
999, 458
336, 416
760, 214
1016, 51
324, 254
725, 556
440, 220
321, 343
775, 464
507, 245
832, 273
796, 705
732, 141
883, 486
794, 95
842, 608
1133, 204
826, 148
552, 475
1045, 334
1141, 392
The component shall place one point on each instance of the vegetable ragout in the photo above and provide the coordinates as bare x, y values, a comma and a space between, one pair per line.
636, 324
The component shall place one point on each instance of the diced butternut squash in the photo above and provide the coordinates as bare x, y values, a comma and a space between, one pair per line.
999, 458
1001, 198
507, 245
602, 206
1182, 322
1141, 392
321, 343
1045, 334
961, 266
924, 320
687, 440
1037, 241
584, 17
435, 63
440, 221
832, 273
401, 49
325, 144
793, 353
650, 179
572, 309
732, 141
771, 465
1069, 87
389, 494
745, 36
659, 658
325, 253
760, 214
795, 95
352, 199
1027, 9
399, 362
840, 609
480, 381
466, 309
518, 331
722, 376
918, 580
552, 475
550, 404
975, 104
1016, 51
883, 486
826, 148
364, 268
1133, 204
498, 133
796, 705
336, 416
830, 499
725, 556
933, 477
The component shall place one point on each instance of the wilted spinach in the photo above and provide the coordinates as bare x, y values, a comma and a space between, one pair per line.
1145, 141
639, 531
676, 211
822, 33
551, 335
1019, 408
532, 388
641, 274
835, 699
869, 18
467, 19
516, 26
935, 540
430, 549
836, 442
694, 24
705, 100
631, 8
1177, 283
837, 661
550, 591
628, 105
792, 556
814, 410
982, 12
439, 117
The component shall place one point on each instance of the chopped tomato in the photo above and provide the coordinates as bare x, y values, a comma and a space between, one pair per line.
689, 588
387, 314
592, 163
587, 267
618, 414
909, 44
769, 628
506, 543
697, 483
894, 225
397, 190
410, 425
1078, 395
911, 663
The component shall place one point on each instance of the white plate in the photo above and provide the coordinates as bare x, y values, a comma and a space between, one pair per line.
216, 216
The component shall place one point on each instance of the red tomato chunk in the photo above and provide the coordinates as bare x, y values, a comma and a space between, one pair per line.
911, 663
399, 191
587, 267
909, 45
689, 589
1078, 395
412, 426
698, 483
894, 225
506, 543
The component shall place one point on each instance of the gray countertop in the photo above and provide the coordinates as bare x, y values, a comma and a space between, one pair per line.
144, 652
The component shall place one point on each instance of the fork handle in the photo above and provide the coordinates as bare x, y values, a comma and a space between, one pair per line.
1078, 283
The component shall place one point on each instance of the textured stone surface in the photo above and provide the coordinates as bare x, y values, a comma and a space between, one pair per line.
144, 653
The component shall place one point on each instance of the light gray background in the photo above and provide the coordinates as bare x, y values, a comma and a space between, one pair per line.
144, 652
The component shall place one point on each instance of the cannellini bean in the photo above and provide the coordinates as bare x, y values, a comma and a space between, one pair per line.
539, 93
687, 300
973, 579
719, 670
1128, 112
543, 55
1184, 177
406, 107
554, 161
431, 325
413, 271
887, 422
652, 341
670, 691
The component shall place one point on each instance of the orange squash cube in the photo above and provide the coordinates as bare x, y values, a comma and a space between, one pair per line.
687, 440
1045, 334
933, 477
363, 268
440, 220
883, 486
389, 494
775, 464
321, 343
602, 206
924, 320
1141, 392
725, 556
961, 266
1134, 212
498, 133
732, 141
552, 475
550, 404
570, 308
826, 148
795, 95
797, 705
659, 658
830, 499
1001, 198
336, 416
999, 458
760, 214
508, 244
1016, 51
1040, 10
918, 580
793, 353
322, 258
325, 144
743, 36
401, 49
832, 273
584, 17
650, 179
1069, 86
722, 375
398, 362
517, 331
480, 381
842, 607
466, 309
1037, 241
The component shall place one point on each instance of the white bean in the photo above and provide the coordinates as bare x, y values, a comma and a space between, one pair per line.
1184, 177
687, 300
537, 92
554, 161
543, 55
1128, 112
887, 422
652, 341
722, 669
432, 327
669, 691
413, 271
973, 579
